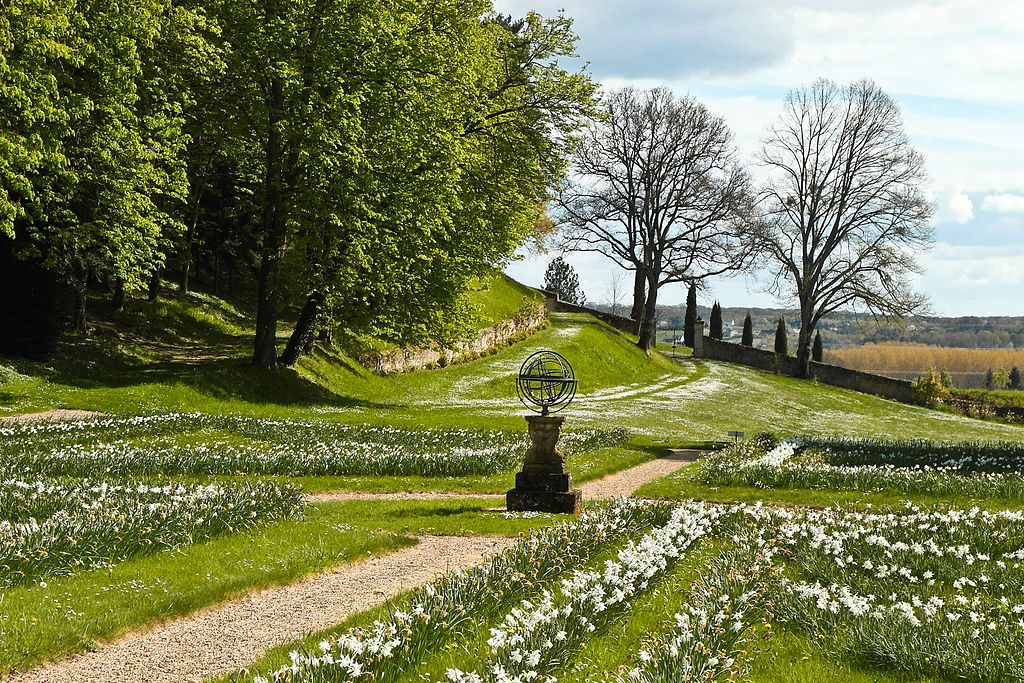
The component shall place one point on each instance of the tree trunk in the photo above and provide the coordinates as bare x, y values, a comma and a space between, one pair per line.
649, 320
154, 286
79, 282
803, 347
639, 299
304, 333
264, 353
118, 294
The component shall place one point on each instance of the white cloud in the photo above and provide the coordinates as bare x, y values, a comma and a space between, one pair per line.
960, 207
1003, 203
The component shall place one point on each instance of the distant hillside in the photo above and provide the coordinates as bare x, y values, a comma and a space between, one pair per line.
846, 330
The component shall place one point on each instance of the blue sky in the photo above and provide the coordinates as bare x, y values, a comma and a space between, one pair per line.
955, 67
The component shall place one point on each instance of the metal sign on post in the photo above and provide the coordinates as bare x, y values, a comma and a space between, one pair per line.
736, 435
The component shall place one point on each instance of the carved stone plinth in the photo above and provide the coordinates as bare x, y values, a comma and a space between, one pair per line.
544, 485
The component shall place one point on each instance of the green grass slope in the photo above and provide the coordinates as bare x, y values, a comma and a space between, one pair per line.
660, 399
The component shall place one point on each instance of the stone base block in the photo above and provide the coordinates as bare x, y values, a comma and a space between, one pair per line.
523, 500
537, 481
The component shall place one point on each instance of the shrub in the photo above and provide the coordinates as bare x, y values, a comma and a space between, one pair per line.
816, 351
748, 331
929, 389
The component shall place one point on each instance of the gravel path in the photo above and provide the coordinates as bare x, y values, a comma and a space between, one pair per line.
626, 482
232, 635
614, 485
56, 414
401, 495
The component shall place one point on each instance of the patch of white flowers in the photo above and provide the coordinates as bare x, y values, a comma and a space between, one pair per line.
537, 632
177, 443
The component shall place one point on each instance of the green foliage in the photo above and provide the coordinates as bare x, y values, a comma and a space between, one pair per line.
781, 341
930, 389
1014, 379
817, 353
560, 277
748, 331
716, 322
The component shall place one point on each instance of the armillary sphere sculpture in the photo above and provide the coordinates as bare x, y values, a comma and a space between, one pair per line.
546, 384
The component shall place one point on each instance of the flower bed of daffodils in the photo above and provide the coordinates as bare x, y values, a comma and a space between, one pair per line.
900, 467
59, 526
928, 593
198, 444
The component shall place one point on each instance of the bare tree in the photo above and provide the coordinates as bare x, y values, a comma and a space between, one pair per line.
846, 213
615, 291
656, 188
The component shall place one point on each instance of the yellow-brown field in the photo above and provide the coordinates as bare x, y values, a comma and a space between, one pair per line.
904, 358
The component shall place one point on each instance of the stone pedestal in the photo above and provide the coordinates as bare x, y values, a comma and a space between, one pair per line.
544, 485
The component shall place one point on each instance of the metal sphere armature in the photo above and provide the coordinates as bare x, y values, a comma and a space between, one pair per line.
546, 382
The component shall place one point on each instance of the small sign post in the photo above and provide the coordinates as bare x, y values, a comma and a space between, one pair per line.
736, 435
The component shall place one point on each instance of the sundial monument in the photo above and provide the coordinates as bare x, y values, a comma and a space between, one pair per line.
546, 384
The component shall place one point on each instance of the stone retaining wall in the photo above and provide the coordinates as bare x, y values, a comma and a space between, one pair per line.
556, 305
887, 387
527, 320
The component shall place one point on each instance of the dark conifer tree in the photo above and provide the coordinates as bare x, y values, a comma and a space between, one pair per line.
716, 321
748, 331
691, 315
560, 277
816, 351
781, 343
1015, 378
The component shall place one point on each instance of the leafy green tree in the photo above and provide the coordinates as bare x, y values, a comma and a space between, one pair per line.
1000, 379
715, 324
560, 277
748, 331
105, 196
817, 352
691, 314
781, 342
393, 151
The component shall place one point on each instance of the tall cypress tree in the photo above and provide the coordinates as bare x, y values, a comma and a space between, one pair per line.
781, 343
716, 321
748, 331
816, 351
1015, 378
691, 315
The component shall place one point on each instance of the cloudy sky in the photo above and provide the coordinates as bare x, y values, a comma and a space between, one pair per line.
956, 67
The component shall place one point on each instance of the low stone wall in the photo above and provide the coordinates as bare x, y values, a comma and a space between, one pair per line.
527, 320
556, 305
887, 387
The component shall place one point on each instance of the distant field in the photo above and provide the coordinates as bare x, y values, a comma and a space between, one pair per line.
907, 361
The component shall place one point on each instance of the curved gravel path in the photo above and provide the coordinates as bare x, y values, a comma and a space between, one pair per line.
622, 483
234, 634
